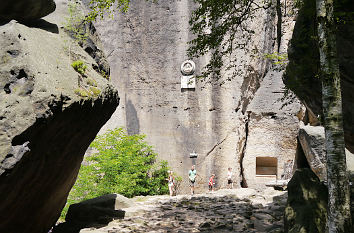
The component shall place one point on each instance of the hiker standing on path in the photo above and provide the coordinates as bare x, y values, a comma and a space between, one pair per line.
171, 181
211, 183
229, 178
191, 175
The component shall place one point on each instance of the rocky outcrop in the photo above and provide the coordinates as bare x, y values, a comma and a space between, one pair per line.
25, 10
302, 71
46, 124
306, 209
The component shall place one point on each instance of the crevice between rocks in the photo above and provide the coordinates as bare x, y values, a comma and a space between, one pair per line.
243, 182
279, 16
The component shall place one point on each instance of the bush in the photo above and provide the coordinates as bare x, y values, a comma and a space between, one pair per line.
75, 23
79, 66
123, 164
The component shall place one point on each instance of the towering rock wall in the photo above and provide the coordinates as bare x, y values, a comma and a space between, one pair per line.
227, 122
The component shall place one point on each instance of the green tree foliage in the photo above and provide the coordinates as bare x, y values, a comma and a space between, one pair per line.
101, 7
216, 24
98, 8
123, 164
74, 23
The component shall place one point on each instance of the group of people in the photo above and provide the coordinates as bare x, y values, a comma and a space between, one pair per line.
192, 174
229, 180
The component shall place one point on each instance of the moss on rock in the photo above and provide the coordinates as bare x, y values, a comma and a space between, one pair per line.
306, 210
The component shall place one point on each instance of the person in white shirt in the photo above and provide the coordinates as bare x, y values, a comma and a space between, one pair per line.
229, 178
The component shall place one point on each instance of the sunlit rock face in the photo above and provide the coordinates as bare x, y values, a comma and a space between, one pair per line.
228, 123
45, 127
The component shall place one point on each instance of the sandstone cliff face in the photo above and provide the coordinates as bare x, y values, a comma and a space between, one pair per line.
45, 127
228, 123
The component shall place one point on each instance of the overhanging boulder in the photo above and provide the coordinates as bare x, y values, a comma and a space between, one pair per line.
49, 114
25, 10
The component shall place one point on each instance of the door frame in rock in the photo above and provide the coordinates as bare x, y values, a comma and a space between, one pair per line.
266, 169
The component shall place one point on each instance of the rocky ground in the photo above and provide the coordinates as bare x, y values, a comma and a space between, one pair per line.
237, 210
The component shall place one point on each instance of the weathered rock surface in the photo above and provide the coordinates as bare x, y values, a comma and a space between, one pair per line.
220, 120
25, 10
302, 71
45, 127
221, 211
306, 209
312, 141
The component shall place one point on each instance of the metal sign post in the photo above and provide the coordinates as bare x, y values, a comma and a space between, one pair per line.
193, 156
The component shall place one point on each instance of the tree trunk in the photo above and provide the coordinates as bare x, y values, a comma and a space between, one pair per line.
339, 220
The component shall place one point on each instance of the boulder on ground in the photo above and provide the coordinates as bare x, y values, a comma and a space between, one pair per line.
98, 210
25, 10
306, 209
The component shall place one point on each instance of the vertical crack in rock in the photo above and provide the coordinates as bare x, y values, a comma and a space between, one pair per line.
242, 155
279, 34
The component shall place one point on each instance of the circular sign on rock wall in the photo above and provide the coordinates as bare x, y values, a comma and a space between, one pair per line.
188, 67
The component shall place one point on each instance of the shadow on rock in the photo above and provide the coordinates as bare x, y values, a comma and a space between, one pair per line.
206, 213
97, 212
42, 24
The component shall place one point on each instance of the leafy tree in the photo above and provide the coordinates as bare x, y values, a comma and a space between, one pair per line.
123, 164
218, 25
98, 8
339, 219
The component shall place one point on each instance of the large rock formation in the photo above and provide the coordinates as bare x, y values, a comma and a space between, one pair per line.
306, 210
229, 123
25, 10
45, 123
302, 71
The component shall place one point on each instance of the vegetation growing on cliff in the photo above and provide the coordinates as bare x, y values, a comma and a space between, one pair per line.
74, 23
101, 7
79, 66
121, 163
